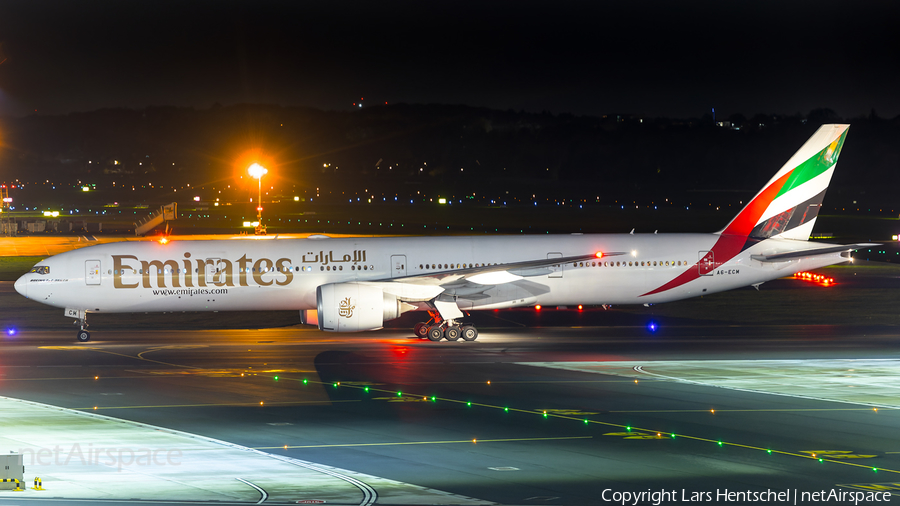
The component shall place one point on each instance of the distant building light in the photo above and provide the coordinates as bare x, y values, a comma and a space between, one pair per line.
85, 188
197, 199
51, 214
442, 201
296, 199
251, 224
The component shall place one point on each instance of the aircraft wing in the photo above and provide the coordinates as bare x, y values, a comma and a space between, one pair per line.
806, 253
474, 280
493, 274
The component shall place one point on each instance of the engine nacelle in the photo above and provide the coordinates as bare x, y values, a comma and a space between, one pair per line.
354, 307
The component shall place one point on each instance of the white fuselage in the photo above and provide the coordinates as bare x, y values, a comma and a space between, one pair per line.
283, 274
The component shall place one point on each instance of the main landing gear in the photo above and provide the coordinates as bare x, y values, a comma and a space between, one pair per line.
437, 328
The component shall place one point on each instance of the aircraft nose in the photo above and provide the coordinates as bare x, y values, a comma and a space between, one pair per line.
22, 286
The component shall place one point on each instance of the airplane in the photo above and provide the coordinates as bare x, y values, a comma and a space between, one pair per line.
356, 284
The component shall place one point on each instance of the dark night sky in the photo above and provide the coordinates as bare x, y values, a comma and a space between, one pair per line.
593, 57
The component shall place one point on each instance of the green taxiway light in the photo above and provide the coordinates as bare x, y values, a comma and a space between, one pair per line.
276, 378
545, 414
433, 399
334, 385
469, 404
399, 394
305, 381
673, 436
720, 443
586, 421
506, 410
628, 428
366, 389
769, 452
820, 460
875, 469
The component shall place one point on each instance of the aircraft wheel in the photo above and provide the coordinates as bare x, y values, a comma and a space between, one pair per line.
435, 333
421, 329
84, 336
469, 333
453, 333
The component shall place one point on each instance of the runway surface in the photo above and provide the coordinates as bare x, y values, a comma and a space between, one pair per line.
548, 415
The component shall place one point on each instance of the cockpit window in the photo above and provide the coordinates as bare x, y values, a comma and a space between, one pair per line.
40, 269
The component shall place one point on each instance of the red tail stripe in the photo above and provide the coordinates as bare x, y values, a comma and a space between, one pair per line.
743, 224
726, 248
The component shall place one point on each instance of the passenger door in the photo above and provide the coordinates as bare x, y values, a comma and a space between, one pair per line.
398, 266
706, 263
556, 270
92, 272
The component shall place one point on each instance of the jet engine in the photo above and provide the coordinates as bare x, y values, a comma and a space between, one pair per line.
354, 307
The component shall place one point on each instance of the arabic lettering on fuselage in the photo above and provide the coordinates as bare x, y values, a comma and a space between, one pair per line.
129, 271
321, 257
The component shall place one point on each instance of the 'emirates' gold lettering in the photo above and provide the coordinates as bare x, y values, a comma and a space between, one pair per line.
202, 272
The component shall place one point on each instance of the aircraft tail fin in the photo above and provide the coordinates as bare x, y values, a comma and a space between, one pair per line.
789, 203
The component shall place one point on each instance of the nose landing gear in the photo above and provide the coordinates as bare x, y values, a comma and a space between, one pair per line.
80, 316
84, 336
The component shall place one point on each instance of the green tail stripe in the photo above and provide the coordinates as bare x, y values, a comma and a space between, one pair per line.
817, 164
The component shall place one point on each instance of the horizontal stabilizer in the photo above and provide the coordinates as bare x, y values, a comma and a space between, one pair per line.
792, 255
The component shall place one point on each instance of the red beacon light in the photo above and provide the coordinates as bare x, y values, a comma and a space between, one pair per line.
599, 254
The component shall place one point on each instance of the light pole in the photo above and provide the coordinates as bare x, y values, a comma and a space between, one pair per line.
256, 170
